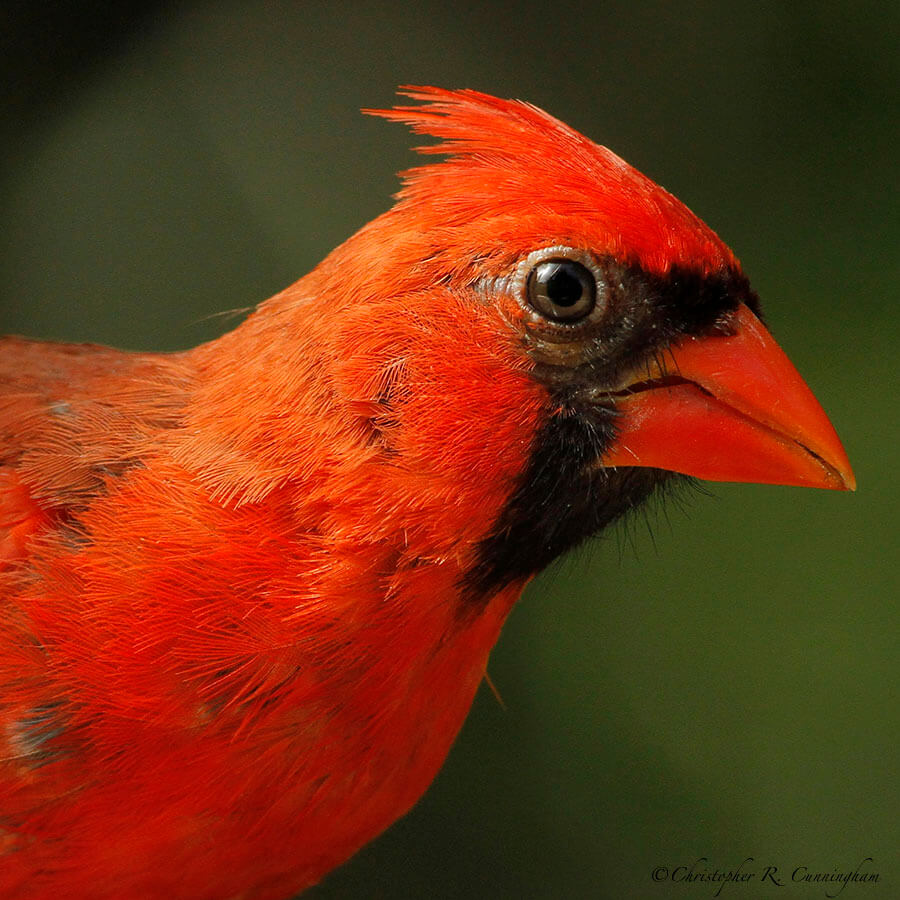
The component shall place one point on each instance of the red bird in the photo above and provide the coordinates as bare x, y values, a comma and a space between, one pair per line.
249, 590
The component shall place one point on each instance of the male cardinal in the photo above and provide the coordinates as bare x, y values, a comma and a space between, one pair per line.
249, 590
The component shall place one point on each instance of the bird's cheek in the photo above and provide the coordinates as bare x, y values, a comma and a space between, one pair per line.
446, 391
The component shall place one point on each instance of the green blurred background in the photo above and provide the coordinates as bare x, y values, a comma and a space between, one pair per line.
720, 685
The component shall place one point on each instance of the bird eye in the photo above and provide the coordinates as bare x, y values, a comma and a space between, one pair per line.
562, 290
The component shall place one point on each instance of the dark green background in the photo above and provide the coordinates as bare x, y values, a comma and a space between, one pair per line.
723, 687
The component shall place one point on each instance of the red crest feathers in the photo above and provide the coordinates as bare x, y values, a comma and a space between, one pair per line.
471, 122
510, 158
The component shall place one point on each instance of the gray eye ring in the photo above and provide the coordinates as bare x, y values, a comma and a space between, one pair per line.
561, 286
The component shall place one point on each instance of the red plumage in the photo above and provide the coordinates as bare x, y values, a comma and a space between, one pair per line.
238, 632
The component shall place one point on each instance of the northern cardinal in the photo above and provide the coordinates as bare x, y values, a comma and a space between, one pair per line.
248, 591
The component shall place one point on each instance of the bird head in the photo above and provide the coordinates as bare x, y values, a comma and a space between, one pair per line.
537, 337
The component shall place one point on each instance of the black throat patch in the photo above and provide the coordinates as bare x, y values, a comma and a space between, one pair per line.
564, 497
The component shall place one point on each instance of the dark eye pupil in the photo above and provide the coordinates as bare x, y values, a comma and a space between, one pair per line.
562, 290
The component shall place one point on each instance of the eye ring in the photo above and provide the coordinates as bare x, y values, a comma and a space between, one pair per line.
561, 286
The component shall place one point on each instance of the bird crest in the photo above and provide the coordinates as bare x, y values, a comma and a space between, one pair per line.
512, 159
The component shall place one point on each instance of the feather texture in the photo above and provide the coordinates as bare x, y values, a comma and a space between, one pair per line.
236, 636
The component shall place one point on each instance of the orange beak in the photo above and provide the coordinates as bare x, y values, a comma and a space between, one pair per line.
730, 408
